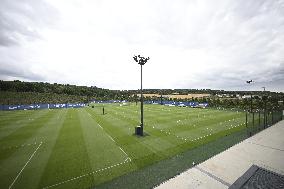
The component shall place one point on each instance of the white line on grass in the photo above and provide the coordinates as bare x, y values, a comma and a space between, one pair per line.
181, 138
123, 152
114, 141
19, 146
90, 173
100, 126
211, 133
110, 138
25, 165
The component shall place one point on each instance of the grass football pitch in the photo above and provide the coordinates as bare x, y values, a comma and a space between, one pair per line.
82, 148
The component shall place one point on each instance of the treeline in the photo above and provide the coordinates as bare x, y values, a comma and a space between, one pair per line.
22, 98
93, 91
204, 91
18, 92
87, 93
268, 102
41, 87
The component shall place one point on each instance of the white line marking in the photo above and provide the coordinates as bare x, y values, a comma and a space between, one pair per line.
123, 151
114, 142
91, 173
25, 165
100, 126
19, 146
110, 138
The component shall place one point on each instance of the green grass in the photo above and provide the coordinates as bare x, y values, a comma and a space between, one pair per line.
81, 148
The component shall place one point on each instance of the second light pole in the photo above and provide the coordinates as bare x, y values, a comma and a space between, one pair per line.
249, 82
141, 61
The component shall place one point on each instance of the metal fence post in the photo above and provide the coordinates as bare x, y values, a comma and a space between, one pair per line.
259, 120
253, 122
264, 119
272, 118
247, 122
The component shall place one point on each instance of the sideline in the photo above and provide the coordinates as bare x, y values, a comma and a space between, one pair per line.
88, 174
25, 165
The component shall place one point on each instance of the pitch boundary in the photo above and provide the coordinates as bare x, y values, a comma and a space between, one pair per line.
25, 165
88, 174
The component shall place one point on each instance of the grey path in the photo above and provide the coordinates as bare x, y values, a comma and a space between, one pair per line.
265, 149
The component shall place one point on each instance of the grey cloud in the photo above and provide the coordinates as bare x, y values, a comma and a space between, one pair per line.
237, 78
244, 38
21, 74
23, 18
274, 74
225, 24
249, 9
252, 49
234, 78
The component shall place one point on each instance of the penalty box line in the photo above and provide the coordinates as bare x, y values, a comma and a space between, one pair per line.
127, 156
88, 174
25, 165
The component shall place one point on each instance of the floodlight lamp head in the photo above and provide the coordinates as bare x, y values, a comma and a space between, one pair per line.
135, 58
250, 81
140, 59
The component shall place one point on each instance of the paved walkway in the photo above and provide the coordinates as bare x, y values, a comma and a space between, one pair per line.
265, 149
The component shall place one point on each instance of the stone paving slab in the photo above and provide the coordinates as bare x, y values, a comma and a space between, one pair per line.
265, 149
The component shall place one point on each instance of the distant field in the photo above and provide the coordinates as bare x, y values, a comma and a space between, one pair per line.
81, 148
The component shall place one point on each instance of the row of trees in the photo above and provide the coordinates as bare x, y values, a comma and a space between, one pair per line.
267, 102
87, 93
40, 87
258, 103
18, 98
17, 92
203, 91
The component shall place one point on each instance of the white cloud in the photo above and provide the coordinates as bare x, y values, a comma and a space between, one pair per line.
192, 44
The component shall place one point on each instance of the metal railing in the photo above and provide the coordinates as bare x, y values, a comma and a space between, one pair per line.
257, 121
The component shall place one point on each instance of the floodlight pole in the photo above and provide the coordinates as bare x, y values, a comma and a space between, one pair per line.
249, 133
141, 61
249, 82
264, 111
142, 118
250, 102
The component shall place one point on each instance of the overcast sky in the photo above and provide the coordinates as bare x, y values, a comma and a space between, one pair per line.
191, 44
